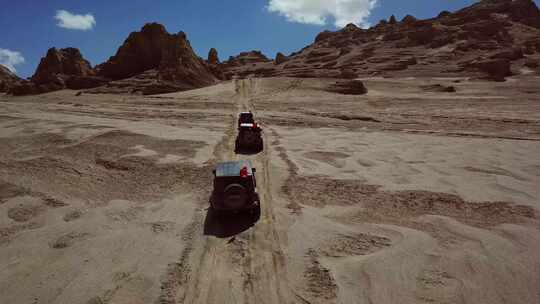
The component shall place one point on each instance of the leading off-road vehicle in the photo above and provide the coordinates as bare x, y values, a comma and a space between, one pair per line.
249, 138
235, 187
245, 117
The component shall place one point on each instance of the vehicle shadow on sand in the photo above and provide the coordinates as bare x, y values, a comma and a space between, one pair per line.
223, 225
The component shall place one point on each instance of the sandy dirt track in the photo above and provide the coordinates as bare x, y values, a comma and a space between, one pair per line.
399, 196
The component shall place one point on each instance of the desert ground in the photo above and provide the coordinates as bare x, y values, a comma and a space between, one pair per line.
403, 195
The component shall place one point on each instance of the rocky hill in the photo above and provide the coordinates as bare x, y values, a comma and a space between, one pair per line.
59, 69
153, 61
149, 62
490, 39
7, 78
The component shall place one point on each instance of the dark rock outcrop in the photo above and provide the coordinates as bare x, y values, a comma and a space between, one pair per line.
495, 69
439, 88
154, 48
408, 19
59, 69
522, 11
444, 14
348, 74
280, 58
511, 54
213, 64
24, 87
350, 87
213, 57
140, 52
250, 57
58, 65
7, 79
85, 82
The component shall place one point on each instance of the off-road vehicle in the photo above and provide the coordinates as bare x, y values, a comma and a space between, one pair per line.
235, 187
249, 138
245, 117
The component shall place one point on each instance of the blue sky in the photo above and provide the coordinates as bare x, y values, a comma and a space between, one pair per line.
29, 27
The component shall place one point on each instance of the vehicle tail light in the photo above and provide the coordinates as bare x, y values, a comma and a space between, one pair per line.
255, 125
244, 172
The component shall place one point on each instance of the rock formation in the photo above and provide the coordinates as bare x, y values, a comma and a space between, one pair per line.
244, 58
489, 39
438, 88
59, 69
213, 64
60, 64
154, 48
252, 59
408, 19
140, 52
7, 79
495, 69
151, 60
350, 87
280, 58
213, 57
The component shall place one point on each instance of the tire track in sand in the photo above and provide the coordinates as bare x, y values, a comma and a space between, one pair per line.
248, 268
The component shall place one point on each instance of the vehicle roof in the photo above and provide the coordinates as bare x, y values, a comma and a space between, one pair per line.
232, 168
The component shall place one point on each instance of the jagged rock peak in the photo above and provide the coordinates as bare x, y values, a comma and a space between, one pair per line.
523, 11
6, 73
409, 19
59, 63
213, 57
250, 57
153, 28
280, 58
351, 27
7, 78
153, 48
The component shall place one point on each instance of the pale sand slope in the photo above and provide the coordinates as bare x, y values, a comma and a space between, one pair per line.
440, 259
87, 211
351, 243
398, 196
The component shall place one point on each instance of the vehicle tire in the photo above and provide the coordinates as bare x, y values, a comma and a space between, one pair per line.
256, 213
256, 198
235, 196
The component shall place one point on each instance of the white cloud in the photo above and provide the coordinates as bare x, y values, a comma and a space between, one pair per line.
10, 59
75, 22
317, 12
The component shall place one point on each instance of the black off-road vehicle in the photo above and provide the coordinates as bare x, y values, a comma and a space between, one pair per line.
235, 187
249, 138
245, 118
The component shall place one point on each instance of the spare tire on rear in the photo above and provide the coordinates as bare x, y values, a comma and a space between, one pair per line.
234, 196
